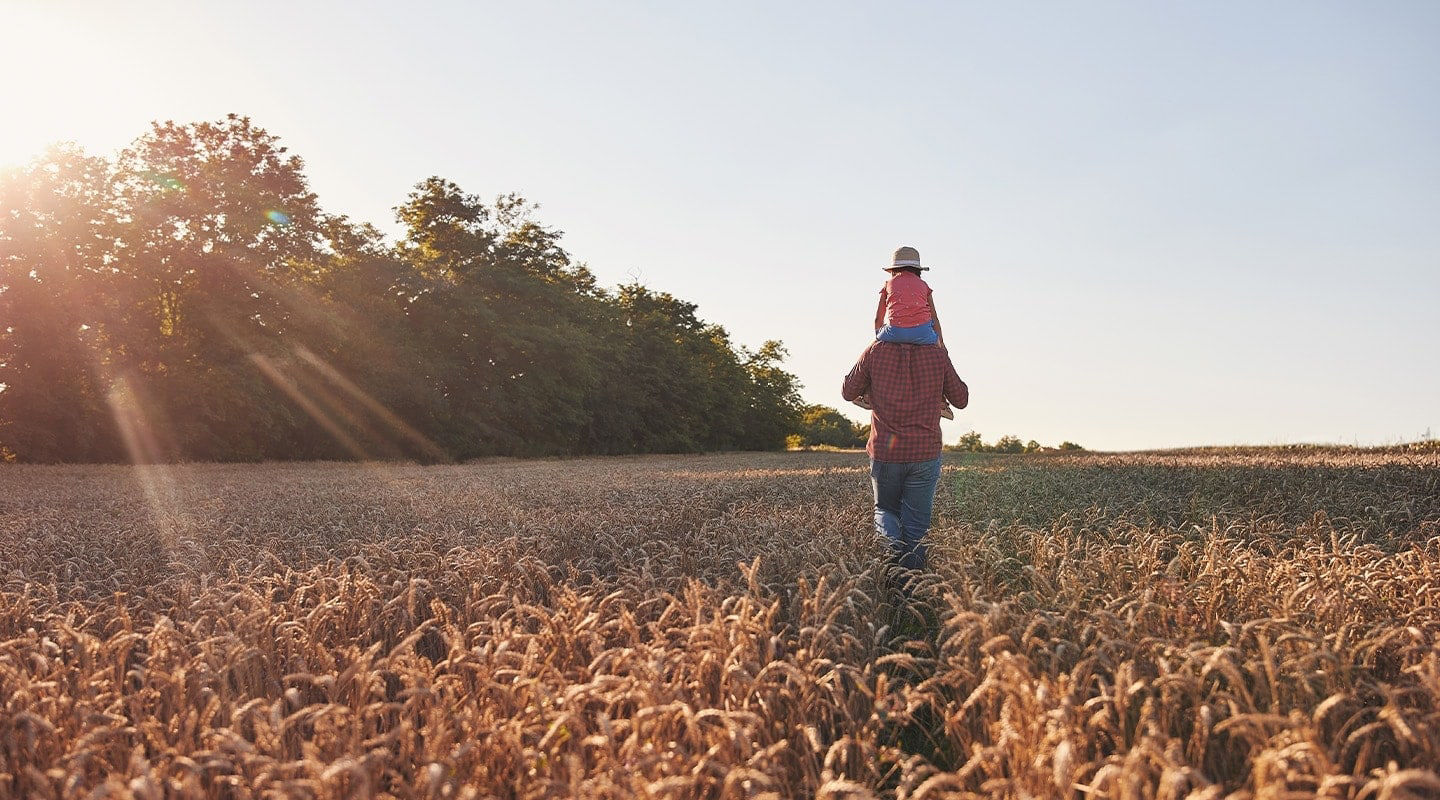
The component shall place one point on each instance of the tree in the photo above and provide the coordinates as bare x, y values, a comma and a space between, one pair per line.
57, 223
654, 394
220, 215
970, 442
823, 425
522, 318
1007, 444
222, 241
774, 398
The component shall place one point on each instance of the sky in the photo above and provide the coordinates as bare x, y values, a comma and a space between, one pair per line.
1149, 224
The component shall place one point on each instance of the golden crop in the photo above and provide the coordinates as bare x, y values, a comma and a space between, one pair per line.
1245, 623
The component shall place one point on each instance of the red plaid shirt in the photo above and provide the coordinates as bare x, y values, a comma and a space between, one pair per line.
905, 384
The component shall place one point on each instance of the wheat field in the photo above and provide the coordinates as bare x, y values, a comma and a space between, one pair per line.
1203, 624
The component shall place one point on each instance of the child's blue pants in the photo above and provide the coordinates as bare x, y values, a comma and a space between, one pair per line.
918, 334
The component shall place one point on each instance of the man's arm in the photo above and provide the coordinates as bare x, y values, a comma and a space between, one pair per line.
956, 392
858, 381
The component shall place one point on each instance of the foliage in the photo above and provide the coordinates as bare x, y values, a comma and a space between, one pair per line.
1238, 623
825, 426
191, 300
1007, 444
970, 443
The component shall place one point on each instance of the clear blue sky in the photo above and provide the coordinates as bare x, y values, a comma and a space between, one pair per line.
1150, 224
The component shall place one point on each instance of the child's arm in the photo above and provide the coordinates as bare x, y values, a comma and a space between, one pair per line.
880, 313
935, 319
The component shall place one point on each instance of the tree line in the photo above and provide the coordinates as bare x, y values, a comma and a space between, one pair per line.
822, 426
189, 299
971, 442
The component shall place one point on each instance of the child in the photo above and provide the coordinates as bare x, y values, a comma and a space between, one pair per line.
906, 314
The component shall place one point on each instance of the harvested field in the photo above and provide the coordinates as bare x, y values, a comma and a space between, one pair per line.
1255, 623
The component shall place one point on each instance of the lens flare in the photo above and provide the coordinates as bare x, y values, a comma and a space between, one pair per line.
277, 217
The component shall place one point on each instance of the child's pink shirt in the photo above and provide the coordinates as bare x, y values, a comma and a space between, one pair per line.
907, 300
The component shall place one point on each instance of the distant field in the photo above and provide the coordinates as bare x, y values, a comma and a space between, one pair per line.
1173, 625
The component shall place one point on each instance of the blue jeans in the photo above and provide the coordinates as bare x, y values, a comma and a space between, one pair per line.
917, 334
904, 498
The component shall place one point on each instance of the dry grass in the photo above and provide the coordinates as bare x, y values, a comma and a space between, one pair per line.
1250, 623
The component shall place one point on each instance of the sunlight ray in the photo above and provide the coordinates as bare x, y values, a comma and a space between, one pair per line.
149, 451
311, 306
376, 442
375, 407
284, 383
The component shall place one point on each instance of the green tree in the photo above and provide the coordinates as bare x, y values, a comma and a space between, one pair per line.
515, 315
1008, 444
360, 340
970, 442
655, 393
774, 398
823, 425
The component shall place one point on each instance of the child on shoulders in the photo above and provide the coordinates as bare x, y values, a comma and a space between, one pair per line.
906, 314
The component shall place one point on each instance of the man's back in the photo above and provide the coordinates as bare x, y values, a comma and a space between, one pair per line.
906, 384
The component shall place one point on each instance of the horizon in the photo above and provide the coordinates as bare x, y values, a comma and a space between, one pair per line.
1233, 246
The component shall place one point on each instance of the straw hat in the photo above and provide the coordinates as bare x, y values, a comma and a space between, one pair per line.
906, 257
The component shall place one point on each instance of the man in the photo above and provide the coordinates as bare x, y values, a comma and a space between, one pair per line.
906, 384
